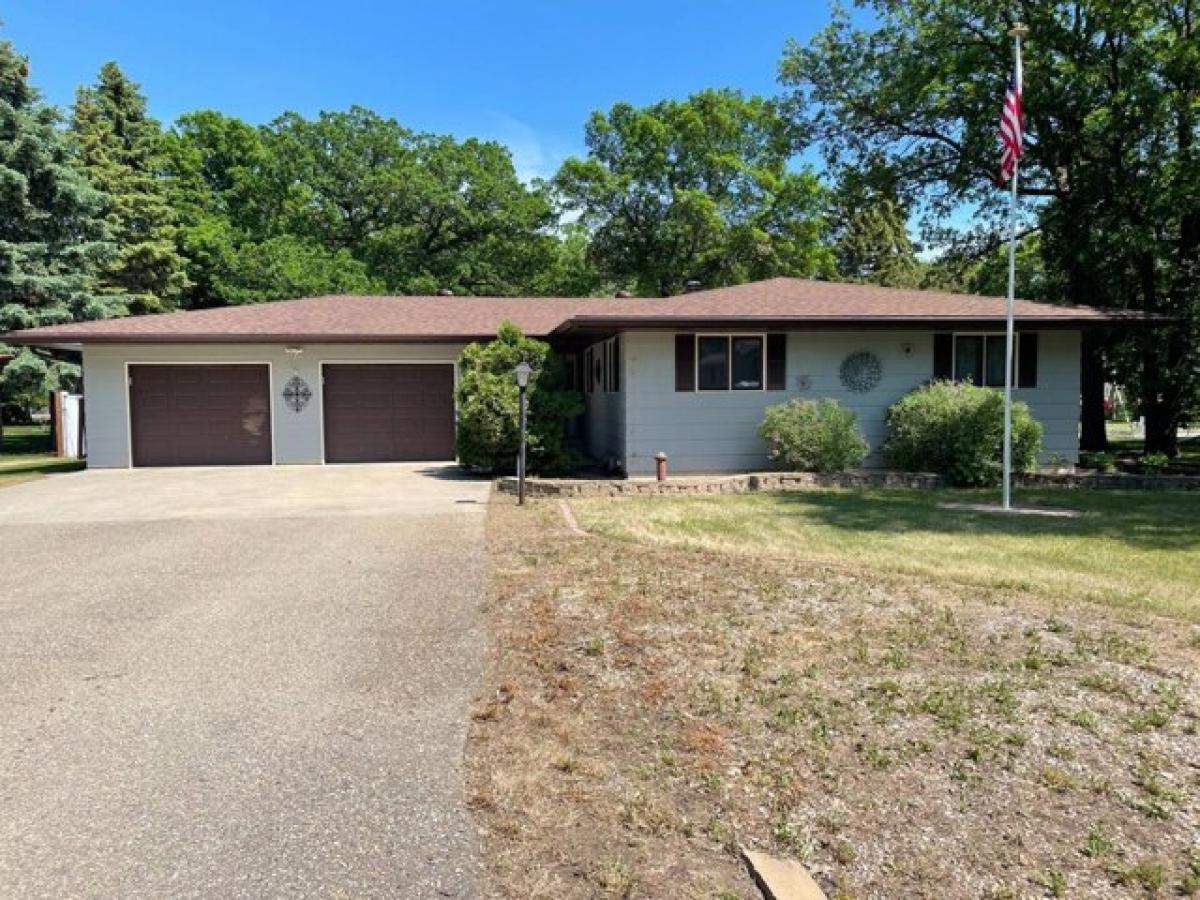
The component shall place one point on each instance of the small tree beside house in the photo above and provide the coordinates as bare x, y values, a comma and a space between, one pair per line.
488, 434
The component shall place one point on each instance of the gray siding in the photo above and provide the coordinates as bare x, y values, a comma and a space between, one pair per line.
716, 432
701, 432
296, 436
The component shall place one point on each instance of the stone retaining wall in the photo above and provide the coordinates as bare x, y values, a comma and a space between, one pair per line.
1113, 482
798, 481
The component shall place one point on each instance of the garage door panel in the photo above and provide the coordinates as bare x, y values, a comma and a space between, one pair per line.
187, 415
388, 412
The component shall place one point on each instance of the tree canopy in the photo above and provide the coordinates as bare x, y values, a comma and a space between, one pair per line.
696, 189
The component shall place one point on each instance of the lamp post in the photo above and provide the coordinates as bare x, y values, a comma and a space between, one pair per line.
523, 371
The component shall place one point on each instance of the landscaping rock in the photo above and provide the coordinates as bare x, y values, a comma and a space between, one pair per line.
782, 879
801, 481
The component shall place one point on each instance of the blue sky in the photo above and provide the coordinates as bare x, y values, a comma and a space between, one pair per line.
526, 73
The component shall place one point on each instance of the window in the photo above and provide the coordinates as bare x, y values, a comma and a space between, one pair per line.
747, 363
729, 362
968, 358
725, 362
979, 358
712, 363
612, 356
602, 367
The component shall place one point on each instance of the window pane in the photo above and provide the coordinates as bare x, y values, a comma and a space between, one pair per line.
747, 363
714, 363
995, 361
968, 359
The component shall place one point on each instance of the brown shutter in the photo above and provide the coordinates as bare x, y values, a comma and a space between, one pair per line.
616, 366
943, 356
1027, 359
685, 362
776, 362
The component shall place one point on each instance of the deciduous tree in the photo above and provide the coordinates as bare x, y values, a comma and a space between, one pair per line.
231, 206
423, 212
700, 188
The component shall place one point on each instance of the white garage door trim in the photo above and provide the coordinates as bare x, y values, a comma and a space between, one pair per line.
194, 362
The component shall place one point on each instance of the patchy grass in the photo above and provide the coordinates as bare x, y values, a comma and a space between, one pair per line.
920, 731
1136, 550
1124, 441
28, 454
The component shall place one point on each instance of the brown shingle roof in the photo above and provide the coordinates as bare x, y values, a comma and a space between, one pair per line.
355, 319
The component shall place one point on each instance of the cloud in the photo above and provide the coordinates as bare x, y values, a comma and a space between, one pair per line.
534, 156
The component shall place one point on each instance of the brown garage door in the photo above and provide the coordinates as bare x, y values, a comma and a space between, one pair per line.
202, 415
388, 413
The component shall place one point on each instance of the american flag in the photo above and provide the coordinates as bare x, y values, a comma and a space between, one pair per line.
1011, 128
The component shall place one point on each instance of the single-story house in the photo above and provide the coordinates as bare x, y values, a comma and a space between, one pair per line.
346, 379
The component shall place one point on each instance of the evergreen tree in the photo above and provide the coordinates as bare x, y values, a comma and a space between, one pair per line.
120, 149
53, 238
869, 227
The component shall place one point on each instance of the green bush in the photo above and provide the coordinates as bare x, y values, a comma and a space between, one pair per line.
813, 436
1098, 460
957, 430
1154, 463
488, 433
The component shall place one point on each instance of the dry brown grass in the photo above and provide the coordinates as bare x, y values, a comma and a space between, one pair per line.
650, 708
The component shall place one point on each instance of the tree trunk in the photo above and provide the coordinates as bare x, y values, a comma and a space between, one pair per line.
1093, 437
1162, 429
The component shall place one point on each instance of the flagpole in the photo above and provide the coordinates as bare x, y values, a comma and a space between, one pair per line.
1016, 33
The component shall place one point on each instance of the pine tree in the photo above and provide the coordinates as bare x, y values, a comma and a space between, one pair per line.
121, 151
869, 227
53, 238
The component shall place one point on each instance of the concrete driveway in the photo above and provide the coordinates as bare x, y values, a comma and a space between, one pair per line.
238, 682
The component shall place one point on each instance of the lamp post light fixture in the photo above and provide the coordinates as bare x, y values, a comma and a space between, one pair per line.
522, 372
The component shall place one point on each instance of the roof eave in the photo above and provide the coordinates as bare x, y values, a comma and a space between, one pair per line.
614, 323
77, 341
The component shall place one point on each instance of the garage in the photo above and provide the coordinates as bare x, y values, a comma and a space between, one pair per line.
388, 412
200, 415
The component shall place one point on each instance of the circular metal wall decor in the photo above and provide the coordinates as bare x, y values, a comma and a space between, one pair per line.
860, 372
296, 393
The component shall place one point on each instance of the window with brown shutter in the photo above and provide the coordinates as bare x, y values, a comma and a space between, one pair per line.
776, 362
685, 362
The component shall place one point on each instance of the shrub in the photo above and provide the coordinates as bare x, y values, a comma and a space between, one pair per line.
488, 432
813, 436
957, 430
1154, 463
1098, 460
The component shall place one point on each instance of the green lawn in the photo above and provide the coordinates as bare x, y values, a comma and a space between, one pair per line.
28, 454
1138, 550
